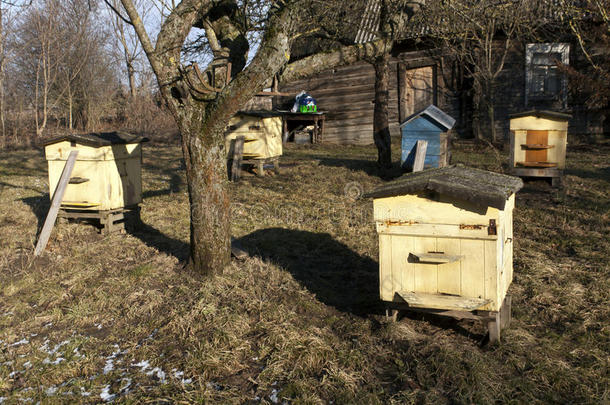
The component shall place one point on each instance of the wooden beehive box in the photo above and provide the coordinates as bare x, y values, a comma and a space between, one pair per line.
446, 238
538, 142
431, 125
262, 131
106, 174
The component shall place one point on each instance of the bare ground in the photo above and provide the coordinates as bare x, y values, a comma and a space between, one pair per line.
120, 318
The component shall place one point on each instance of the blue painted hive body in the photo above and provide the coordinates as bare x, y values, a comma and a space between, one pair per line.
430, 124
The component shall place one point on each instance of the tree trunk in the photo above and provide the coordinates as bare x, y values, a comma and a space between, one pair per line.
381, 127
206, 173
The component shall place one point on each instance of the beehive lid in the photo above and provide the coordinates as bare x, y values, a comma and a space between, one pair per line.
479, 187
438, 116
98, 139
553, 115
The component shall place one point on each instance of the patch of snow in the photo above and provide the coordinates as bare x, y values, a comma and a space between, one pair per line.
84, 393
125, 384
273, 396
144, 364
98, 326
27, 364
160, 374
106, 395
13, 374
2, 399
48, 325
51, 391
19, 343
177, 374
54, 362
9, 313
58, 346
8, 363
186, 381
109, 366
33, 334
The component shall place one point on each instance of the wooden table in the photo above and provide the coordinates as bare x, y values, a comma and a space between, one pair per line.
316, 118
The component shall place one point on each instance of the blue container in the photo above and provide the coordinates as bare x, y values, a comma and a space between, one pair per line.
426, 125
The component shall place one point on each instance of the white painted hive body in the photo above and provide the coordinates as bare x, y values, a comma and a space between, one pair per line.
538, 140
442, 249
107, 172
262, 132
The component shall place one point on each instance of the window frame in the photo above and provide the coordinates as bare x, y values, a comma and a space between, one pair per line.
546, 48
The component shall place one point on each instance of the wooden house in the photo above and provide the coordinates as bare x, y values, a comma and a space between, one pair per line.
446, 242
533, 77
430, 125
538, 141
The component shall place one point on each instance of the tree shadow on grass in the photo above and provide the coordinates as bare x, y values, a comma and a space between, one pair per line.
599, 174
40, 207
134, 226
337, 275
152, 237
370, 167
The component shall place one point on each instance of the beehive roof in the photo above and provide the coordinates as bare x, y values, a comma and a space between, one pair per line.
542, 114
442, 119
479, 187
97, 139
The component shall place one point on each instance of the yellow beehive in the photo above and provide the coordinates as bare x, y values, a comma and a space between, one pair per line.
538, 143
446, 238
106, 174
262, 131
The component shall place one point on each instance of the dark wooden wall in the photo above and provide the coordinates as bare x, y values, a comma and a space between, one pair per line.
347, 94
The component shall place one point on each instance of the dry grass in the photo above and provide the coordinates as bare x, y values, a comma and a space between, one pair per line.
300, 321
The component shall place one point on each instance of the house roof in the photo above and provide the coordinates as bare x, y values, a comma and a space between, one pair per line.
479, 187
97, 139
441, 118
542, 114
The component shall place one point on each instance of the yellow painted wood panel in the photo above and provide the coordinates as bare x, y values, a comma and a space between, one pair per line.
112, 183
492, 270
386, 282
420, 209
533, 122
402, 270
426, 277
61, 151
449, 273
435, 230
473, 268
263, 135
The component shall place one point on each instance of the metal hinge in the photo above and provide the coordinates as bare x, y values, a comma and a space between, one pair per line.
491, 229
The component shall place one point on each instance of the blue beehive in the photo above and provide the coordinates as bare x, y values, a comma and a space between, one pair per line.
430, 124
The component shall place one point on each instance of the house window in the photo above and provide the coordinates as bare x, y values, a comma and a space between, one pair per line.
545, 82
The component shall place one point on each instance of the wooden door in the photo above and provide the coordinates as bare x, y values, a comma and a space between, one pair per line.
536, 146
416, 90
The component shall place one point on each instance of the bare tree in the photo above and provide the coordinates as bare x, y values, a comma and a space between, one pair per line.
480, 35
203, 102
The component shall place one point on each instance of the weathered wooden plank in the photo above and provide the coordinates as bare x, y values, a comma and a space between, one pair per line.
238, 151
437, 257
420, 155
439, 301
492, 271
58, 196
449, 273
386, 291
473, 268
426, 275
402, 270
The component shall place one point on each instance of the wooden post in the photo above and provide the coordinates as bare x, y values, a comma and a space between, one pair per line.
58, 196
238, 151
420, 155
